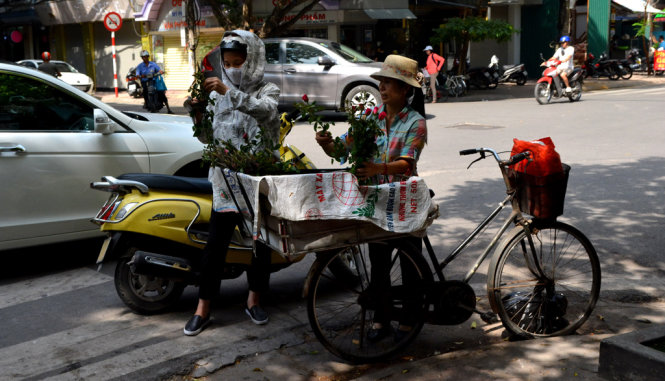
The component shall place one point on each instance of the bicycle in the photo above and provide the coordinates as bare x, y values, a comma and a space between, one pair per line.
543, 280
454, 85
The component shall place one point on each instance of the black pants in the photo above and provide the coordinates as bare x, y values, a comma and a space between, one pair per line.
221, 230
380, 258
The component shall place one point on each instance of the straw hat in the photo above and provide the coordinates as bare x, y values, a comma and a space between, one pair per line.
401, 68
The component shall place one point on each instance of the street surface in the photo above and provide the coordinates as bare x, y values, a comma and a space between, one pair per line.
65, 322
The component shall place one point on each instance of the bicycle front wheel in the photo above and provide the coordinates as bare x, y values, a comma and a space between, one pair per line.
547, 285
341, 313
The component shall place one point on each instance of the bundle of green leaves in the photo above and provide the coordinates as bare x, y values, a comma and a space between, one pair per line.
363, 119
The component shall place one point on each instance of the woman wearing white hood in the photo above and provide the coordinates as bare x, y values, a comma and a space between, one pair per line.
243, 101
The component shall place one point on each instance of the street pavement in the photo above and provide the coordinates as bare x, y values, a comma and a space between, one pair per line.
474, 350
504, 91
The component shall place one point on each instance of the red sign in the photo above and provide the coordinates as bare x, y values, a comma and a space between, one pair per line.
659, 60
112, 21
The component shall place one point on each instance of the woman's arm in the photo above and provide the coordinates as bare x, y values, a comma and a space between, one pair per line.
401, 166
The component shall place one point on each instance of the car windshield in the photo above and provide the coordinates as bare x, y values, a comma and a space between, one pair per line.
346, 52
64, 67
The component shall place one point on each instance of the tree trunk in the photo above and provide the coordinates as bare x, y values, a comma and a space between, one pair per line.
192, 32
247, 14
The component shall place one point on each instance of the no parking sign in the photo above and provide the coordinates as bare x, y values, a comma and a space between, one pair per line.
113, 22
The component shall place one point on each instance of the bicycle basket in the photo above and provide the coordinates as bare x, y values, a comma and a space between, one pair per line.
540, 196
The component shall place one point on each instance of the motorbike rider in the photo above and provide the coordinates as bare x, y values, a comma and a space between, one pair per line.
433, 67
565, 55
146, 71
48, 67
244, 102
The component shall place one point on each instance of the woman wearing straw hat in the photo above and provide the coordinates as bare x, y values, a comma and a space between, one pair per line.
433, 67
401, 117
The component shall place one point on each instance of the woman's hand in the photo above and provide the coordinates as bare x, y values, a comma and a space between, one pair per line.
323, 138
326, 141
369, 169
216, 84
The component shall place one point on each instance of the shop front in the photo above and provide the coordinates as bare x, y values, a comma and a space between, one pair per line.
168, 43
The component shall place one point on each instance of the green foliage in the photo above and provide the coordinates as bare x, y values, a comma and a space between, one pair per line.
641, 28
202, 128
363, 130
473, 29
257, 157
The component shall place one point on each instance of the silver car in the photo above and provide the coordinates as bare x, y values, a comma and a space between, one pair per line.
55, 140
328, 72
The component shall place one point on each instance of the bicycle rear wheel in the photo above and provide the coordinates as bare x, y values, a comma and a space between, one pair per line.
548, 290
341, 313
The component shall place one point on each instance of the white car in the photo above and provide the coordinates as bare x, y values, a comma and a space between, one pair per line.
69, 74
56, 140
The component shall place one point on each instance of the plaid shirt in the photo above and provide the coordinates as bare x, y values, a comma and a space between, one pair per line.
406, 139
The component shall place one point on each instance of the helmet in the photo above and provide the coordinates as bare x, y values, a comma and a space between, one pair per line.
564, 39
232, 42
145, 53
46, 56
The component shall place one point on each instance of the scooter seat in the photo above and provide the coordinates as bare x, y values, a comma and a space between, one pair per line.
172, 183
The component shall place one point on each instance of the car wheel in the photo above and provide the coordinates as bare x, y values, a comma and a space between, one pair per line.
362, 95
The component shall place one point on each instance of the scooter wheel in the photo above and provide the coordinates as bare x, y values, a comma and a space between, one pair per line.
521, 80
144, 294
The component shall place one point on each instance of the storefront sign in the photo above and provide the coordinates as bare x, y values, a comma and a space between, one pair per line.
174, 19
309, 18
659, 60
659, 17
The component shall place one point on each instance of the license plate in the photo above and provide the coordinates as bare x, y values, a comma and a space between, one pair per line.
132, 87
102, 252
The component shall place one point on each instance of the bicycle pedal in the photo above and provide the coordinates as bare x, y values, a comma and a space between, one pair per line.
488, 317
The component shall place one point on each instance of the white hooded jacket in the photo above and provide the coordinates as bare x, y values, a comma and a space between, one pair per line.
239, 113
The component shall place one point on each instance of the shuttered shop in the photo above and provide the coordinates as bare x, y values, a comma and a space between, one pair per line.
178, 73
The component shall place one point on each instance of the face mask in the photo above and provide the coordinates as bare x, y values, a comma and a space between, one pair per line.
234, 74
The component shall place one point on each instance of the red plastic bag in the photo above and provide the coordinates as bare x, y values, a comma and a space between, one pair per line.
545, 159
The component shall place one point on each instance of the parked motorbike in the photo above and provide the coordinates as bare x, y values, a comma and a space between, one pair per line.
551, 85
134, 88
157, 227
634, 61
508, 73
604, 67
482, 78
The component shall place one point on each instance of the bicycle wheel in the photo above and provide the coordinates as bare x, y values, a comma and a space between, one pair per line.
549, 290
341, 313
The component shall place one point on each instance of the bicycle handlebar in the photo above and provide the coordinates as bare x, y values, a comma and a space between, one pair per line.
512, 160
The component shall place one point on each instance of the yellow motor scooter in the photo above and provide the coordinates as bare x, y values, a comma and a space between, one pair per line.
157, 226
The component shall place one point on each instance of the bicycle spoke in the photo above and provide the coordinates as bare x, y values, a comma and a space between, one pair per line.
554, 300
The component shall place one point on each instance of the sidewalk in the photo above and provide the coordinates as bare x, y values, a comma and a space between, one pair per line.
503, 91
458, 352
